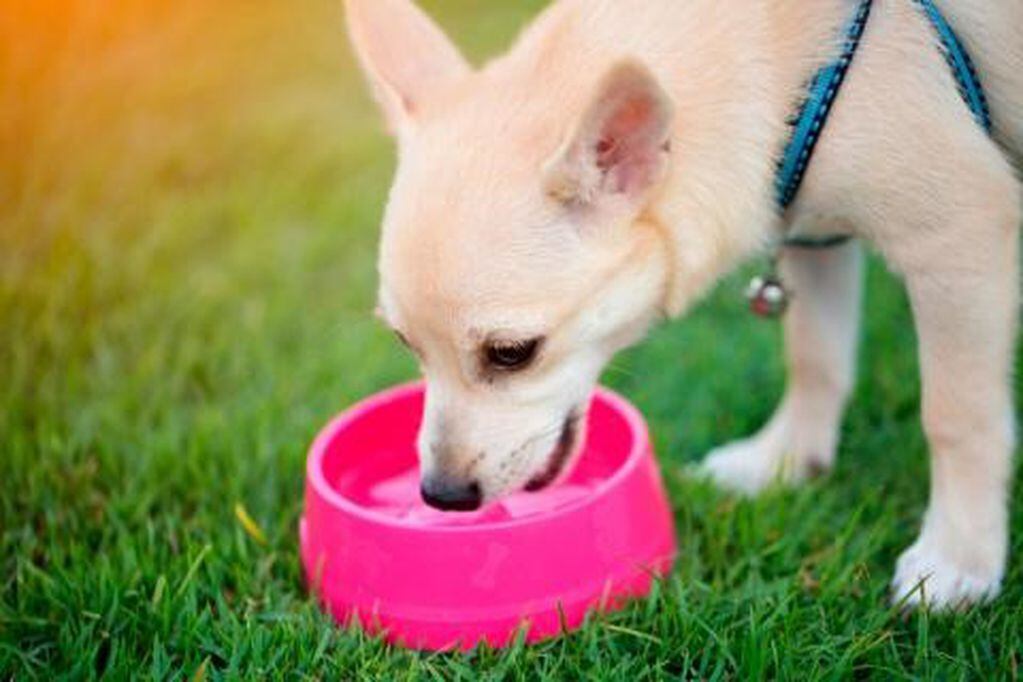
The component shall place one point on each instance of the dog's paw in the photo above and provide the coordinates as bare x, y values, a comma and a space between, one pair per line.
743, 467
749, 466
926, 578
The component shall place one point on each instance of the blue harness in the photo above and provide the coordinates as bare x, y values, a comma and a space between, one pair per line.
809, 122
767, 294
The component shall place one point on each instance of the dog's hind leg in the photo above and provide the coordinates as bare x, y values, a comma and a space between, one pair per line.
821, 330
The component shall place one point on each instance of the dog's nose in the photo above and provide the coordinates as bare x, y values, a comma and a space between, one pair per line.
451, 495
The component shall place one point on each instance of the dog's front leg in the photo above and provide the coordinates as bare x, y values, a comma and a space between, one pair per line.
965, 305
821, 330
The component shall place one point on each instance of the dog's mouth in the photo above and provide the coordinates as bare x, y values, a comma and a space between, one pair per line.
560, 455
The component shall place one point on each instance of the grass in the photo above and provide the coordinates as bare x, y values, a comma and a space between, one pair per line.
188, 209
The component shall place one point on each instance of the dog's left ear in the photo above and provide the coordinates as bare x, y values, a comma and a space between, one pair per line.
619, 149
404, 55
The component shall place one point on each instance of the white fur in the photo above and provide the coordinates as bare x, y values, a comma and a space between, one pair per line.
505, 220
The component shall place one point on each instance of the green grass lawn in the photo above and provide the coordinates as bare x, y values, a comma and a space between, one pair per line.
189, 195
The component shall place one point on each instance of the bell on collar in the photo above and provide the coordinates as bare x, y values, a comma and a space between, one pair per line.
767, 296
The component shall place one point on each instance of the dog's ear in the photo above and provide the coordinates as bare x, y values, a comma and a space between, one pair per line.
405, 56
620, 147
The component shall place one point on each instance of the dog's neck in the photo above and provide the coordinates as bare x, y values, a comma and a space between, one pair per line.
734, 77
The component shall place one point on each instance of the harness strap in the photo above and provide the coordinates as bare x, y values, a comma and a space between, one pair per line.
813, 114
962, 67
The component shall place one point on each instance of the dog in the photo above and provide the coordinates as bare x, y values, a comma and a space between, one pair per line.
551, 206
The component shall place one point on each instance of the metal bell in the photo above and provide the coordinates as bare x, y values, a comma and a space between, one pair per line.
767, 296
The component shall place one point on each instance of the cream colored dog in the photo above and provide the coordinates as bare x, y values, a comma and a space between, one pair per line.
609, 169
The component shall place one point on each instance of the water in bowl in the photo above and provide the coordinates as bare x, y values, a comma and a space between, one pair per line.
398, 497
374, 464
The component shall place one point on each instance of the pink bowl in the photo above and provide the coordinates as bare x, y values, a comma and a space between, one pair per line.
539, 562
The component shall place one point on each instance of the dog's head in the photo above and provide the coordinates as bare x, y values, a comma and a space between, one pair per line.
515, 258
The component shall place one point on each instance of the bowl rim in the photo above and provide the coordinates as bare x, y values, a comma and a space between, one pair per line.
318, 450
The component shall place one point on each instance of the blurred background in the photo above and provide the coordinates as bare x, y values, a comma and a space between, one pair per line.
189, 199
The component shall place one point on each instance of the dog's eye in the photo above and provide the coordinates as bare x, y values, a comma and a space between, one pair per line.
511, 355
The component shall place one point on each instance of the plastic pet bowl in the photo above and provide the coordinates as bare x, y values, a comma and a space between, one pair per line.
534, 562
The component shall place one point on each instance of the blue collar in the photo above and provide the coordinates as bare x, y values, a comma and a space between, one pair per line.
809, 122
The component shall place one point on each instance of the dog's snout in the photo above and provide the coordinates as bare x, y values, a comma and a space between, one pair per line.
450, 494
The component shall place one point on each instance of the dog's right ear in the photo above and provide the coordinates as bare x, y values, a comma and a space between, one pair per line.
405, 56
